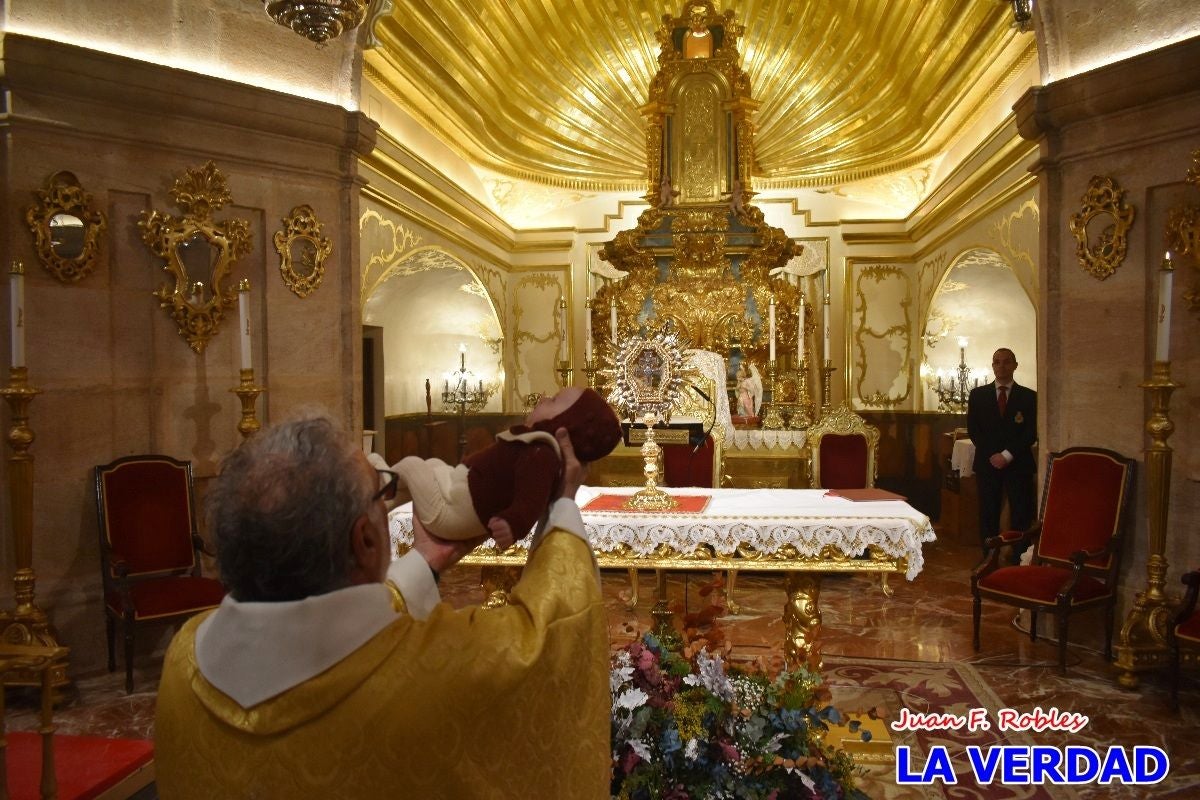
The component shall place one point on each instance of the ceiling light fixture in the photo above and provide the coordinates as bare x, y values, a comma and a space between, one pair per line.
1022, 15
318, 20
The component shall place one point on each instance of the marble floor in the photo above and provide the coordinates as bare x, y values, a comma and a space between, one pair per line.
927, 621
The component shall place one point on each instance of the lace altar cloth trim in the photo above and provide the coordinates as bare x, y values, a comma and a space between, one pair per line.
764, 440
766, 520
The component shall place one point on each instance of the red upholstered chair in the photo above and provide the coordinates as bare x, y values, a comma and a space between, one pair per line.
149, 548
1077, 552
842, 447
1183, 632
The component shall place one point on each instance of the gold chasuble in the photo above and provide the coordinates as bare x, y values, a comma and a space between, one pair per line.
509, 702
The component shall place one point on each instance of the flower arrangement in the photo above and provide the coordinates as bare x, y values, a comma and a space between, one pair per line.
684, 727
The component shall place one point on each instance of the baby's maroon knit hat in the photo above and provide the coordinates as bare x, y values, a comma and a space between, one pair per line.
594, 427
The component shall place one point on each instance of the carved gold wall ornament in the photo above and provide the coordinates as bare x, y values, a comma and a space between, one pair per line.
198, 252
1103, 198
302, 250
66, 228
1183, 231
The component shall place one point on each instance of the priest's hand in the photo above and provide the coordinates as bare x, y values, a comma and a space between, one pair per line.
440, 554
574, 472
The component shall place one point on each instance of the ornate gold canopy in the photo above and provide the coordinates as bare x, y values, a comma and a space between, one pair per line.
701, 256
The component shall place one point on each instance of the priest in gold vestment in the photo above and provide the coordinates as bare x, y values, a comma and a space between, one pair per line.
333, 671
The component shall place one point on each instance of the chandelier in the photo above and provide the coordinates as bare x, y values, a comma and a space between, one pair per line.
461, 390
953, 389
318, 20
1022, 15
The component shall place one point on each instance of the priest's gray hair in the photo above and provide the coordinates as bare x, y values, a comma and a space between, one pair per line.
282, 508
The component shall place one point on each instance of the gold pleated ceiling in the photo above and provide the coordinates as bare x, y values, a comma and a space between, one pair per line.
549, 90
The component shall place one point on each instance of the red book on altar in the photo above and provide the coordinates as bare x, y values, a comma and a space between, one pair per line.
865, 495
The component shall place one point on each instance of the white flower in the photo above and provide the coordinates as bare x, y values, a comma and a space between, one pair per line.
711, 676
643, 751
692, 749
634, 698
619, 676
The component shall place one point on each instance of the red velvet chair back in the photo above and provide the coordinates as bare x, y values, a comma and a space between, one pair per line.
845, 461
1083, 505
682, 467
146, 513
843, 447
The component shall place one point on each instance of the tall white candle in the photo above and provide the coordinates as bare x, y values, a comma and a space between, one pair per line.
562, 324
800, 332
1166, 278
587, 333
612, 312
244, 322
828, 350
16, 295
771, 319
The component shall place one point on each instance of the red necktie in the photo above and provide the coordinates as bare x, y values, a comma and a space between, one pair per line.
1002, 399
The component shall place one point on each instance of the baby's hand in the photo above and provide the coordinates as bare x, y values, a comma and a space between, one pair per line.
501, 532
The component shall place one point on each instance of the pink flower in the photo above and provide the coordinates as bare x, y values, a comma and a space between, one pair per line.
729, 752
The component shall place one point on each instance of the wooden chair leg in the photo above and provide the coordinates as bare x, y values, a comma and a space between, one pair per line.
1108, 631
1033, 624
49, 784
128, 633
1060, 632
976, 608
110, 629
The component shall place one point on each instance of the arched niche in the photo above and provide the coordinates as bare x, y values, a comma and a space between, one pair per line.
430, 304
979, 298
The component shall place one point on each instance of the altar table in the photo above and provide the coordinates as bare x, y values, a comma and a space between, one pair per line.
800, 532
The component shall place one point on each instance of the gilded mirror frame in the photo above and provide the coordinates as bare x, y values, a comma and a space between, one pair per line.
302, 226
1103, 197
199, 192
635, 395
64, 195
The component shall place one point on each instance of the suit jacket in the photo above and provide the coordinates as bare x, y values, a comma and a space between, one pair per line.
1015, 432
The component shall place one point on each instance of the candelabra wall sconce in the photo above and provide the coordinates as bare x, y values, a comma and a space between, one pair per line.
462, 391
953, 389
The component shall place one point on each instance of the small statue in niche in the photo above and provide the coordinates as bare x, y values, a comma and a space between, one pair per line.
666, 192
749, 389
736, 203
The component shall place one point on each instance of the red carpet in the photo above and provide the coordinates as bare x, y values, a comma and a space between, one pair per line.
86, 765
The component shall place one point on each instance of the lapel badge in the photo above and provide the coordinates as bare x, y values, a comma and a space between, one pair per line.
1019, 418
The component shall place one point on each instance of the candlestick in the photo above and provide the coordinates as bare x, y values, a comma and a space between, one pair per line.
1166, 277
612, 313
562, 324
16, 296
800, 333
828, 349
771, 320
248, 392
587, 333
244, 322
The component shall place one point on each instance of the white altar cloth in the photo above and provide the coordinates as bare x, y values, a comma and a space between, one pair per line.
765, 520
962, 457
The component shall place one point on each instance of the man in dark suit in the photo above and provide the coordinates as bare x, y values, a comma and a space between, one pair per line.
1002, 424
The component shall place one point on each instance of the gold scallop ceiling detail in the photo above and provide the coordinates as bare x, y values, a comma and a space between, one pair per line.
549, 91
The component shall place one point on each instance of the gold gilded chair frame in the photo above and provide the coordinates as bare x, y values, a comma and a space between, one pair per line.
49, 218
843, 421
301, 229
199, 192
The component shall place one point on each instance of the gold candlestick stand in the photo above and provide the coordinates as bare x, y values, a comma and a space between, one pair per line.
826, 385
802, 414
773, 418
248, 393
589, 369
650, 498
1143, 643
26, 624
564, 373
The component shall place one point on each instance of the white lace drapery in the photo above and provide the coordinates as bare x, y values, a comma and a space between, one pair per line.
765, 520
